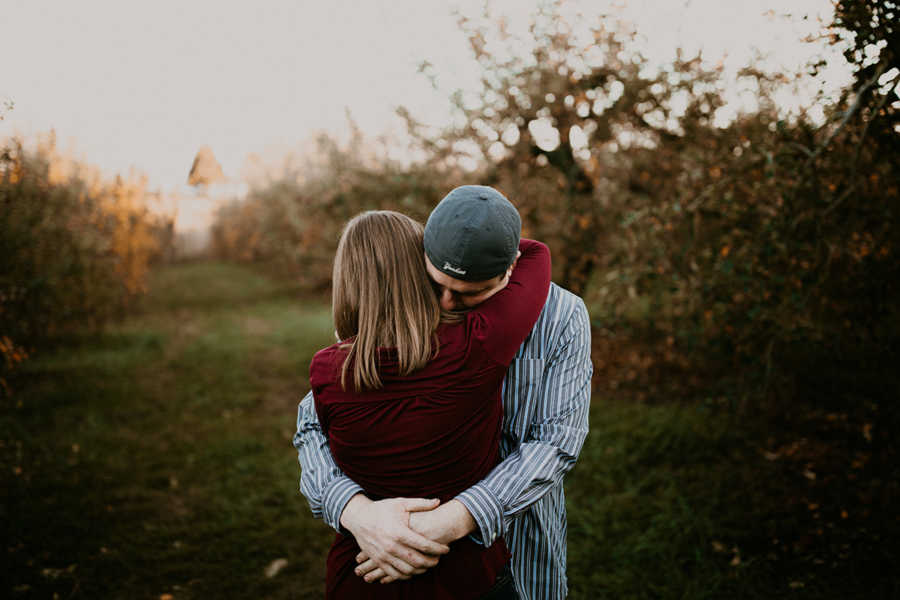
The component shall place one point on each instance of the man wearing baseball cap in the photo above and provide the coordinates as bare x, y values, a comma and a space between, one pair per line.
471, 246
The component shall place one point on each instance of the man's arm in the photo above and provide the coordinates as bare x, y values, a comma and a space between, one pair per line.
446, 523
553, 442
380, 528
326, 488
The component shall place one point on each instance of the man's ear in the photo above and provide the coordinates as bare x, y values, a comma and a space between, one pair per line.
513, 265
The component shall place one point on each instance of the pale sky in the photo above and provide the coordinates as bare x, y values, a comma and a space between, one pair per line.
145, 84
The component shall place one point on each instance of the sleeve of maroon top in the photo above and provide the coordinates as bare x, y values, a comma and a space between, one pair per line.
502, 322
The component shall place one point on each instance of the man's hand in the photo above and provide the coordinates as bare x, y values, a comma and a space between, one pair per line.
446, 523
382, 531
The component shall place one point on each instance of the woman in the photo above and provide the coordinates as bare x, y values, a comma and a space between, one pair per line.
410, 404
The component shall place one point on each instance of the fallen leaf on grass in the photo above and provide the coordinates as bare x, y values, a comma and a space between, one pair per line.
51, 573
275, 567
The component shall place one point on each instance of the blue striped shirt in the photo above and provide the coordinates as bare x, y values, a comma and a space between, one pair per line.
545, 420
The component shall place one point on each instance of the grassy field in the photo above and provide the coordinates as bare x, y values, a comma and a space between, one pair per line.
155, 459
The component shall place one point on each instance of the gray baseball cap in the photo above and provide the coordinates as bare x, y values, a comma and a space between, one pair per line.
473, 233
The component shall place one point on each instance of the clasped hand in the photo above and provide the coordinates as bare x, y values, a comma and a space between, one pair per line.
402, 537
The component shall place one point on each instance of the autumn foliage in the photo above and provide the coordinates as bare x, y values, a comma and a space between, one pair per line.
746, 258
293, 224
74, 249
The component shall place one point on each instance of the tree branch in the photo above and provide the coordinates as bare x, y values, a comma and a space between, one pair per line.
869, 122
850, 112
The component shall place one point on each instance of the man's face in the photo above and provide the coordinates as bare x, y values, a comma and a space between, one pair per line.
456, 294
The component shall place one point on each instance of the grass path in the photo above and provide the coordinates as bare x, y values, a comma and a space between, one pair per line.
155, 459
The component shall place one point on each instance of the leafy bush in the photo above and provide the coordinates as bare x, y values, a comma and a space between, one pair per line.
293, 224
742, 255
768, 249
724, 257
74, 249
764, 264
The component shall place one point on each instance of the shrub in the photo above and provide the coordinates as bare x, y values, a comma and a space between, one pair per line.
768, 267
759, 252
293, 224
74, 249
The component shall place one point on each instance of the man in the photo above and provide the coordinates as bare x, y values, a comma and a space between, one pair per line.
545, 420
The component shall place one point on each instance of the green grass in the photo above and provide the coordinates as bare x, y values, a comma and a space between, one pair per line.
656, 509
155, 458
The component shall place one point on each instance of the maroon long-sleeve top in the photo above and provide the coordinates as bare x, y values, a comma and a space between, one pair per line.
431, 434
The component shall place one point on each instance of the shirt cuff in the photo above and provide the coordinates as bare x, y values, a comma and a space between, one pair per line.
487, 512
335, 499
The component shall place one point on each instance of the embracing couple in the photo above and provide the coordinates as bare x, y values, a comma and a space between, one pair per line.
440, 425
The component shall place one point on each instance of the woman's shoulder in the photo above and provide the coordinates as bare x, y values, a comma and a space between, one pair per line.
459, 343
332, 351
326, 362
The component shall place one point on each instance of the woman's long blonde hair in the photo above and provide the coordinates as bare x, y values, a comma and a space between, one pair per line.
382, 295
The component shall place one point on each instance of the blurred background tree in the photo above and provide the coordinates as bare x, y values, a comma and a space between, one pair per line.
74, 249
292, 223
874, 51
553, 127
721, 257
